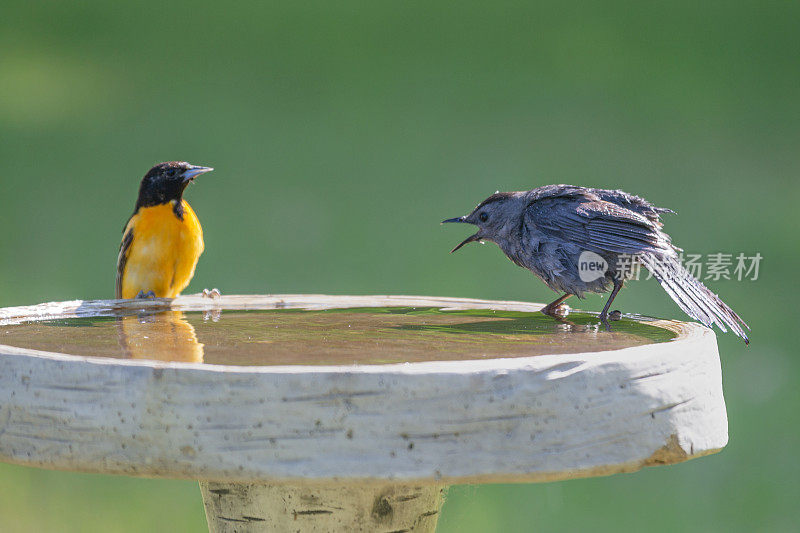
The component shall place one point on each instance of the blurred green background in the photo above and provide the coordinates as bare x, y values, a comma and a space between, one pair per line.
343, 132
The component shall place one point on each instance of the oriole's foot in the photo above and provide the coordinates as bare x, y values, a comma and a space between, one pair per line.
213, 293
145, 295
557, 311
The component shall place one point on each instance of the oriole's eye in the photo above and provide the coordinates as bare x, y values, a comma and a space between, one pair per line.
483, 217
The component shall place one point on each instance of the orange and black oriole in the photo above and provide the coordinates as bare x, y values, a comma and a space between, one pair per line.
163, 239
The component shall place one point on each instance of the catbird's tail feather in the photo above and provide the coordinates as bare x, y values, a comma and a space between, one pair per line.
693, 297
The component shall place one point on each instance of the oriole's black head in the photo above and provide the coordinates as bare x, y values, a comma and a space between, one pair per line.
166, 182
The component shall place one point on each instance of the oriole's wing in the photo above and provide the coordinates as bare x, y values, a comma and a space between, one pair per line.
597, 225
122, 258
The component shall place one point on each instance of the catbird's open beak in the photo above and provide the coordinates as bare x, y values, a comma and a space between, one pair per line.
194, 171
471, 238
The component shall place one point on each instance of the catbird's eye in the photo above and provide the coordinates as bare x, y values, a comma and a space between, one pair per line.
483, 217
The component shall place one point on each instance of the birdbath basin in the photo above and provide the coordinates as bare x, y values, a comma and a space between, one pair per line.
350, 413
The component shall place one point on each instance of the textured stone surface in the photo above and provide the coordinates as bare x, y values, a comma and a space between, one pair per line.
240, 507
499, 420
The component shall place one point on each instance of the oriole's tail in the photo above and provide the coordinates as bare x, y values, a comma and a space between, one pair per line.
693, 297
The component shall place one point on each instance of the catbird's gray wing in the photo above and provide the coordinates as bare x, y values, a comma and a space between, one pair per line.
589, 220
634, 203
596, 224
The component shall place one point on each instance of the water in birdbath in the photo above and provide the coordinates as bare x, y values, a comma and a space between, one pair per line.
376, 335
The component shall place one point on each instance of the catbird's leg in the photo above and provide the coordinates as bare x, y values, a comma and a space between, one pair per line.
555, 308
604, 315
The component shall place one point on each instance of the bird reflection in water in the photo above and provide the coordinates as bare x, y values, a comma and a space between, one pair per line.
162, 336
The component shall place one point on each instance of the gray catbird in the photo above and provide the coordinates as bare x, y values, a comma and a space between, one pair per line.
579, 240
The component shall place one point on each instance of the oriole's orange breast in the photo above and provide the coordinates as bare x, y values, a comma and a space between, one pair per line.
163, 252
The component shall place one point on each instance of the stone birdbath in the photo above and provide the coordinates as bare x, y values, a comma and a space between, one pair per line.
349, 413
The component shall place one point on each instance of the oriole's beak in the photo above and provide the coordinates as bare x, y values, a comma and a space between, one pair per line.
194, 171
457, 219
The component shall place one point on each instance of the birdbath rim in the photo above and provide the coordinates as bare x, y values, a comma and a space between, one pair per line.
522, 419
68, 309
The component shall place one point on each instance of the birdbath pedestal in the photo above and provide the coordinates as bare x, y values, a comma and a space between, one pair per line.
340, 413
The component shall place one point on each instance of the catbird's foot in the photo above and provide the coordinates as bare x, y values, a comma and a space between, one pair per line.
556, 311
213, 293
615, 315
145, 295
604, 320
